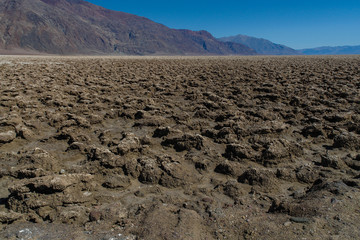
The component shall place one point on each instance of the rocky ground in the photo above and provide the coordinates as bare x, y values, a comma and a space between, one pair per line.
180, 148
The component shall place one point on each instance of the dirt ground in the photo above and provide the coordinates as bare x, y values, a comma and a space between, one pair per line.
180, 148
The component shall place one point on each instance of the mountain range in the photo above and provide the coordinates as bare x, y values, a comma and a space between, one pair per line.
340, 50
261, 46
79, 27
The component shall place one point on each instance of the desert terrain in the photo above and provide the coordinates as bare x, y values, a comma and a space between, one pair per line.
179, 147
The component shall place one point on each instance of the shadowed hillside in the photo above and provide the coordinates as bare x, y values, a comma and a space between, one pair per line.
79, 27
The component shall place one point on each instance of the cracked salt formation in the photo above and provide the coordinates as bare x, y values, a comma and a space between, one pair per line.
179, 147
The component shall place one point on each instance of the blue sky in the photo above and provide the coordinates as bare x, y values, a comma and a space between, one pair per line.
295, 23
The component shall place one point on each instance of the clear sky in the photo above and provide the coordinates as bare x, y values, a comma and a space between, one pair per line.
295, 23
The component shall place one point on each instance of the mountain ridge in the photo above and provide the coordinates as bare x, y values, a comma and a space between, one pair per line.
72, 27
260, 45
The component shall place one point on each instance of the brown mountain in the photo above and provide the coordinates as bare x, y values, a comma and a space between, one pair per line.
79, 27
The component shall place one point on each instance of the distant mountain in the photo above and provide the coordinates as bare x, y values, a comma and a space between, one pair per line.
260, 45
341, 50
79, 27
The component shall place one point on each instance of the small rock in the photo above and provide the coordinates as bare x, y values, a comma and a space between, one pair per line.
258, 177
313, 131
335, 118
237, 152
9, 217
298, 194
26, 133
207, 200
331, 161
285, 174
176, 173
300, 220
335, 187
46, 212
288, 223
95, 216
139, 114
106, 157
73, 214
306, 174
161, 132
295, 101
128, 144
275, 150
354, 164
24, 234
78, 146
6, 137
186, 142
228, 168
145, 140
27, 172
116, 182
347, 140
233, 189
150, 173
49, 184
39, 158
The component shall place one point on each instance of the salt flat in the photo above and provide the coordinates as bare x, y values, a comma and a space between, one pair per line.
179, 147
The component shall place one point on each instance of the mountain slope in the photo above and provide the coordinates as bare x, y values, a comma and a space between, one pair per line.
79, 27
341, 50
260, 45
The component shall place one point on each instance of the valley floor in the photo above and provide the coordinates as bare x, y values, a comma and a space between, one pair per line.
180, 147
